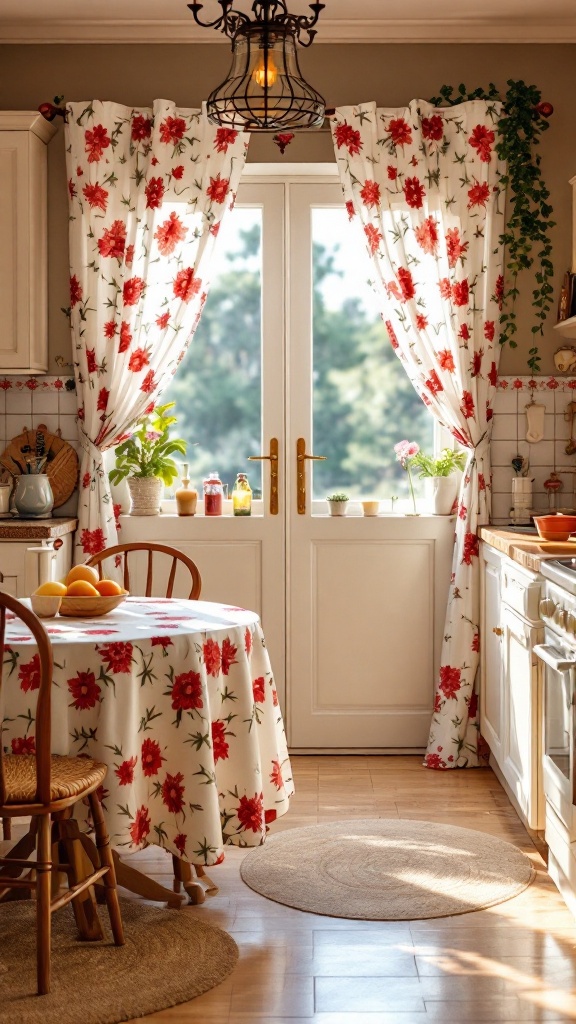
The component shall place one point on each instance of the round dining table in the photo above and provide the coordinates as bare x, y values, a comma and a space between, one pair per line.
178, 698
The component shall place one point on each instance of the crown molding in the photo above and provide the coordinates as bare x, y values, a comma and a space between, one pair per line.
464, 30
27, 121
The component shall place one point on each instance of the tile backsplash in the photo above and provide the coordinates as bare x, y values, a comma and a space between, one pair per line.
27, 402
509, 439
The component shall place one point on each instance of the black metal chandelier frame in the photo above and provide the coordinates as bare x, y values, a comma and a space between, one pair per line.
270, 14
284, 101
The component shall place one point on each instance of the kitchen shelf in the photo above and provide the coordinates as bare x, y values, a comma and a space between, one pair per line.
566, 327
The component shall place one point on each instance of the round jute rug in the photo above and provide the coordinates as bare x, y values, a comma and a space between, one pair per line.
386, 869
169, 957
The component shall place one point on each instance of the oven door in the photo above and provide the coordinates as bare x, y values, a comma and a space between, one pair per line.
559, 761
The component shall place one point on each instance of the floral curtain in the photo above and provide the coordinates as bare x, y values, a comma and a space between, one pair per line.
425, 186
148, 190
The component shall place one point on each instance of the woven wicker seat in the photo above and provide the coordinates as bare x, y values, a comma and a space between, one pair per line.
69, 777
44, 788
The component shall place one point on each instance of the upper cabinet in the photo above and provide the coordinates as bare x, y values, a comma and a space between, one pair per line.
23, 241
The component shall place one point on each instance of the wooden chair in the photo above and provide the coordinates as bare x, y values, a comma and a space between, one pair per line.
122, 551
182, 870
44, 788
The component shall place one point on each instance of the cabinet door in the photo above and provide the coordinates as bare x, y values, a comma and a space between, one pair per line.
522, 716
491, 697
23, 242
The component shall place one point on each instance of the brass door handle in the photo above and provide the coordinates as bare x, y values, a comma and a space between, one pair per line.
273, 459
497, 630
301, 457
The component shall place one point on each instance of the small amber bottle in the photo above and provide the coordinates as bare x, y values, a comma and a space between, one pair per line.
186, 496
242, 496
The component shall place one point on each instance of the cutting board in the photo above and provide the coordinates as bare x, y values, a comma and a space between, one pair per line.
61, 466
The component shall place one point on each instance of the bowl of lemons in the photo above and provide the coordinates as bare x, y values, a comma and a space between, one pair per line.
81, 595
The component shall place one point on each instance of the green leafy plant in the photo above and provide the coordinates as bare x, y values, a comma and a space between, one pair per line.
338, 497
527, 234
148, 451
447, 462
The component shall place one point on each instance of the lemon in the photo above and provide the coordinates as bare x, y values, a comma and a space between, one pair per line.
52, 589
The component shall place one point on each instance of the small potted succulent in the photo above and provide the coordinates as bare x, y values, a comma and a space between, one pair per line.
440, 479
145, 459
338, 503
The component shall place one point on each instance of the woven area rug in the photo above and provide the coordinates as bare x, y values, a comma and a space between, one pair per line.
169, 957
386, 869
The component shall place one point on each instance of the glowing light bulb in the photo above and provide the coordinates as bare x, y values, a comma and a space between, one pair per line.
265, 74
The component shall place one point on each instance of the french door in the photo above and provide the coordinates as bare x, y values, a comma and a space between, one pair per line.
352, 607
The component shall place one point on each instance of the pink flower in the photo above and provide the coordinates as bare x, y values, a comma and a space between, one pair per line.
406, 450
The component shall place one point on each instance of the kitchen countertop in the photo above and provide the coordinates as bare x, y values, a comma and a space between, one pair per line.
525, 548
36, 529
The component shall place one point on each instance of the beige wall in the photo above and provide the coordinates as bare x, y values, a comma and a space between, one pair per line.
391, 75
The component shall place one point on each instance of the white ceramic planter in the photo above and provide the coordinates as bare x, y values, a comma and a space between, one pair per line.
338, 508
441, 493
145, 495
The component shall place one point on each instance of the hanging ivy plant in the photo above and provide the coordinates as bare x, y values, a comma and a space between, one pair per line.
527, 234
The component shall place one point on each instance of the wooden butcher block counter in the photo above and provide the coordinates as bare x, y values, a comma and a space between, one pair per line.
525, 548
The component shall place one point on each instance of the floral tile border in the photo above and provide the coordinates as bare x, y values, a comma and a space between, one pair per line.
42, 384
536, 383
65, 383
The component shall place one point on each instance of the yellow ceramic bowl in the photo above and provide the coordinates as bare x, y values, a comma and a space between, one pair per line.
90, 607
45, 606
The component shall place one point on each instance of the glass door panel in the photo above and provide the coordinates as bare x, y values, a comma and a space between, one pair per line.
218, 386
363, 401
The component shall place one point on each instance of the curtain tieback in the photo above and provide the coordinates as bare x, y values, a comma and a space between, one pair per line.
90, 448
481, 449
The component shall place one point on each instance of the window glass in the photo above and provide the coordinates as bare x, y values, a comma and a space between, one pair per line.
218, 386
363, 401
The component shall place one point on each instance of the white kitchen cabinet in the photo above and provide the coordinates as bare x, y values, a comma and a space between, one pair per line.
33, 553
491, 689
23, 241
521, 756
511, 687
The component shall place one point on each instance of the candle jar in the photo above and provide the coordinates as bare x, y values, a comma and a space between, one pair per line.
213, 495
242, 496
186, 496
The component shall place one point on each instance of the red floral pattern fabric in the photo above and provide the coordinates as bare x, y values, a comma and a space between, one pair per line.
424, 186
147, 190
189, 725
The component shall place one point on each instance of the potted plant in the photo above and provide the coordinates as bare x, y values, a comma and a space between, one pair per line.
145, 460
337, 503
440, 480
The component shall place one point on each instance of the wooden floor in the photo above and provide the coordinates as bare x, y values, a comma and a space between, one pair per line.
513, 963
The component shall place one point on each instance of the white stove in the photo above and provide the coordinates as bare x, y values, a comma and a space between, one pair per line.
558, 656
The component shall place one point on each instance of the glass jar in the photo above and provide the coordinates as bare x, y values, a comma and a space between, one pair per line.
186, 496
213, 495
242, 496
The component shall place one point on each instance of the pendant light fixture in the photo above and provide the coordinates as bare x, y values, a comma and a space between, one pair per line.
264, 90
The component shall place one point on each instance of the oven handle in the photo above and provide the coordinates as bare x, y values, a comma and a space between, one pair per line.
554, 658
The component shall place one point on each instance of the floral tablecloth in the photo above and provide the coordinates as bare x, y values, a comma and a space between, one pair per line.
178, 698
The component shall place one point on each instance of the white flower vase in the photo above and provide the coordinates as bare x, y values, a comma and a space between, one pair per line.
441, 493
145, 495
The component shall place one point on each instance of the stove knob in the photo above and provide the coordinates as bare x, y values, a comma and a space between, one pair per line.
547, 608
560, 617
571, 623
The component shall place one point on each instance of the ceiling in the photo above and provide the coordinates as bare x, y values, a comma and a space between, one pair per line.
343, 21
